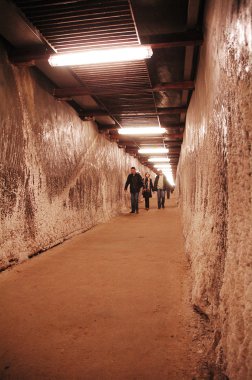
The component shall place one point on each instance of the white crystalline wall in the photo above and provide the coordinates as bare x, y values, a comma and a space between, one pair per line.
214, 183
58, 175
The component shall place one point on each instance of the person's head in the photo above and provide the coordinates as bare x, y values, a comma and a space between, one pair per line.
147, 175
160, 172
133, 170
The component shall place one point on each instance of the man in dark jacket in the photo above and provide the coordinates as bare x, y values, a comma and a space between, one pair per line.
135, 181
161, 185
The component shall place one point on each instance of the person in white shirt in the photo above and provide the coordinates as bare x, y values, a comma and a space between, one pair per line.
161, 185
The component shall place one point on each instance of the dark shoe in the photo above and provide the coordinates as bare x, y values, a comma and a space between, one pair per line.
132, 212
137, 211
159, 208
162, 206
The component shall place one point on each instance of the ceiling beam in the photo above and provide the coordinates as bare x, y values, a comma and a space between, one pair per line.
163, 41
160, 111
114, 127
172, 153
172, 143
23, 57
148, 139
188, 85
68, 93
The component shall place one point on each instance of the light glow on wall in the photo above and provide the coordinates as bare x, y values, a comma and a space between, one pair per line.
142, 131
88, 57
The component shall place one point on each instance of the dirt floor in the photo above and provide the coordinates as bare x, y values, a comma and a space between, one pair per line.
112, 303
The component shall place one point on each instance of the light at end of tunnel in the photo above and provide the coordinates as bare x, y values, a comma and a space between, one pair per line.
169, 177
129, 53
162, 166
158, 159
142, 131
153, 150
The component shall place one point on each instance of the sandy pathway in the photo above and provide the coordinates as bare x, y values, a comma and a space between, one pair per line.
108, 304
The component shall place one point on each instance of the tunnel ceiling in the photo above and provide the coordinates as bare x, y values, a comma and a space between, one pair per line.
142, 93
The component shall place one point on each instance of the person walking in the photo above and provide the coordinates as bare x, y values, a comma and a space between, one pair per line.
161, 185
135, 181
147, 190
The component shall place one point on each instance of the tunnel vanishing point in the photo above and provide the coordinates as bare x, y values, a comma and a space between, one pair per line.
64, 161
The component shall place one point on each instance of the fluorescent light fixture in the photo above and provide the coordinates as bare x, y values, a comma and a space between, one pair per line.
163, 166
153, 150
141, 131
88, 57
158, 159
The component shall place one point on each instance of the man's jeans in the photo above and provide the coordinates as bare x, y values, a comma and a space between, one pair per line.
134, 201
161, 197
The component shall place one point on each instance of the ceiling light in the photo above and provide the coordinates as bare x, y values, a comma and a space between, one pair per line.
164, 166
89, 57
165, 171
153, 150
141, 131
158, 159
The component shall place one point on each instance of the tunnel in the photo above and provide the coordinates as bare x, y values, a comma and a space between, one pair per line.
95, 283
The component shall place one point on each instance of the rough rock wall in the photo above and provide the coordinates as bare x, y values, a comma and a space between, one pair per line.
214, 183
58, 175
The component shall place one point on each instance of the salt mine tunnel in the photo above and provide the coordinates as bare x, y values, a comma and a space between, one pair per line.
88, 288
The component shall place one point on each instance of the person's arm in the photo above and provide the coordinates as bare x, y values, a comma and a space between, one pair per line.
151, 185
155, 183
127, 183
144, 185
167, 185
140, 181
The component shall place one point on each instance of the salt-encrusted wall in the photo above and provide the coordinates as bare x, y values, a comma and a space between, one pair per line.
58, 175
214, 184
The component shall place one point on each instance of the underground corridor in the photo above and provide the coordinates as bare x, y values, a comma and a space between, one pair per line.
107, 105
